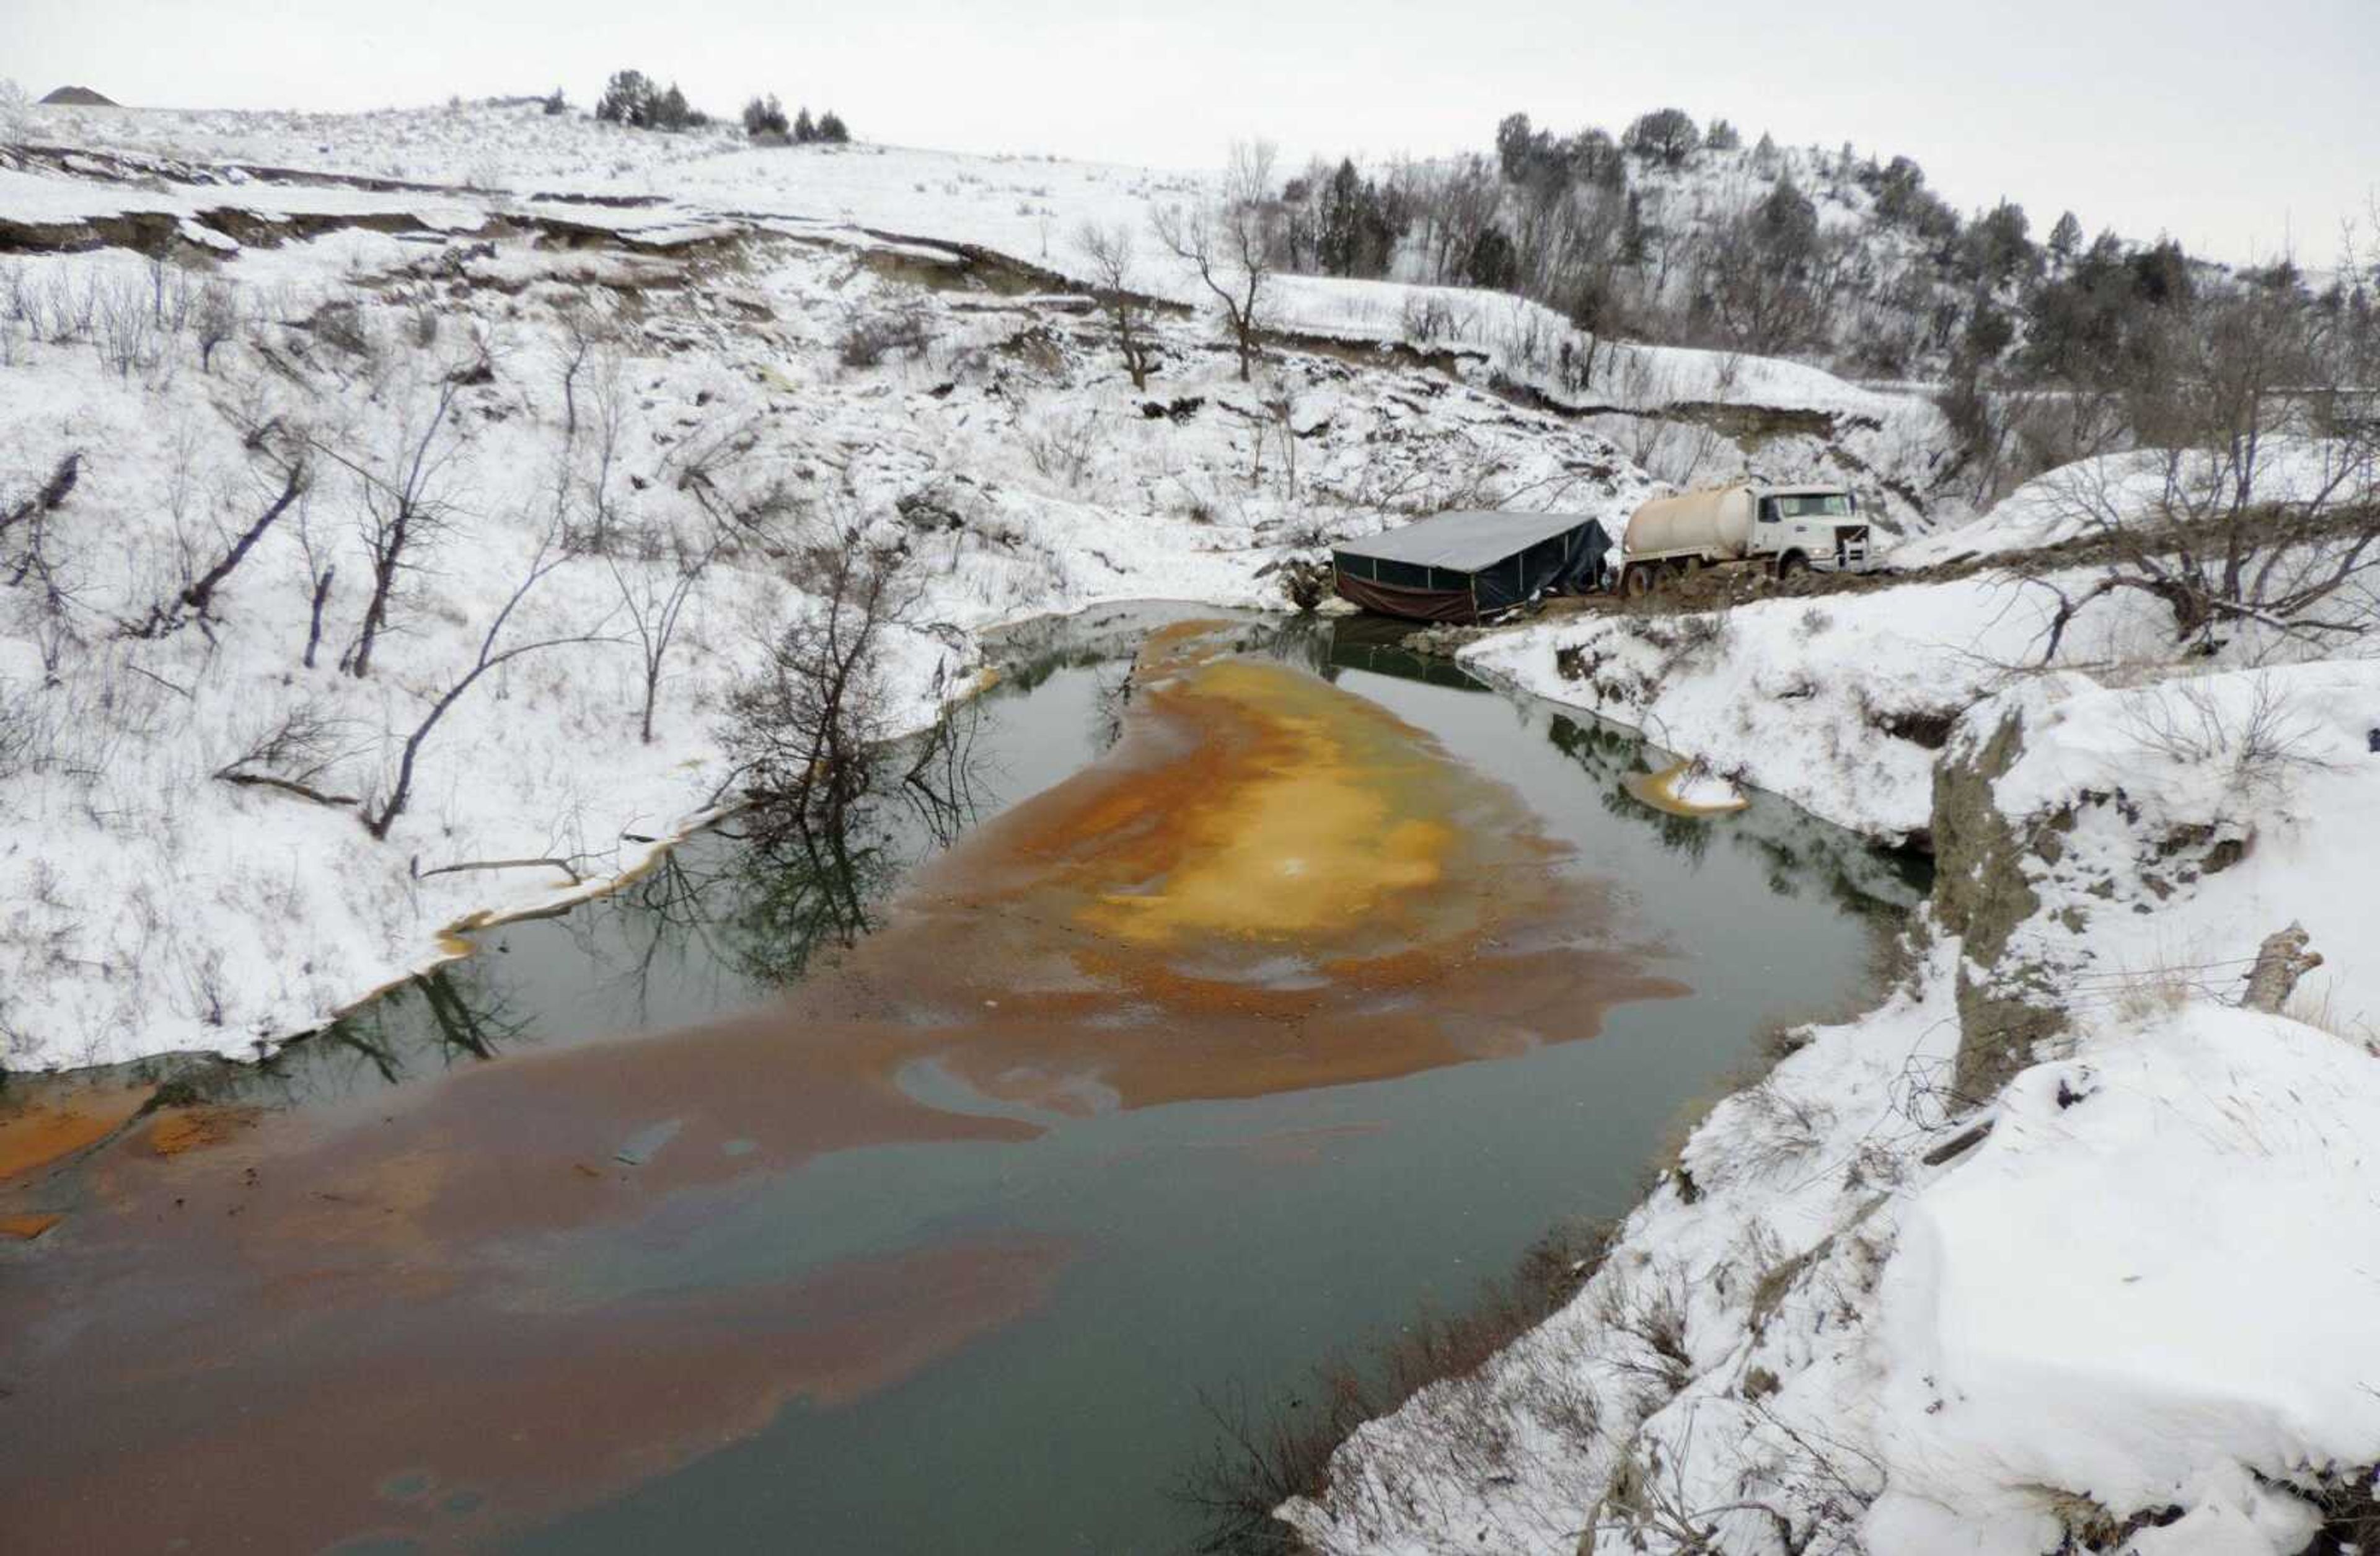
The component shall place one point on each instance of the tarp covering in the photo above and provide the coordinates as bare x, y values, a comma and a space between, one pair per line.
1467, 567
1465, 542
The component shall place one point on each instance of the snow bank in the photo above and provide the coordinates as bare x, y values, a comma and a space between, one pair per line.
2276, 762
2142, 486
2134, 1291
1839, 703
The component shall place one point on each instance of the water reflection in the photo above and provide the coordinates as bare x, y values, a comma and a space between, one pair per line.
812, 883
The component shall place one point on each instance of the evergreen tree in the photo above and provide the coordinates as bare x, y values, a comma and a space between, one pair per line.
1594, 158
1787, 224
764, 116
1633, 244
627, 99
1999, 246
1514, 139
805, 129
2161, 275
2065, 238
832, 129
1492, 264
1339, 231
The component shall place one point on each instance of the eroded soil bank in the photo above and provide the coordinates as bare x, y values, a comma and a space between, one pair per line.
458, 1310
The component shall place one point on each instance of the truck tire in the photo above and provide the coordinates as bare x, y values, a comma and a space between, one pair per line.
1636, 580
1792, 562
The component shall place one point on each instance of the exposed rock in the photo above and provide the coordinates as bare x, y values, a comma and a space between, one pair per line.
1982, 894
1306, 583
2280, 962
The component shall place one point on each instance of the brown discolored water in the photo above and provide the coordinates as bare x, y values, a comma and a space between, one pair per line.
1162, 1080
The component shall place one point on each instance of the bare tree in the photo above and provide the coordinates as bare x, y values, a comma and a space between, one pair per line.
1229, 240
285, 483
27, 513
583, 331
218, 320
608, 401
2255, 496
321, 572
548, 556
802, 729
655, 597
1108, 251
1453, 207
26, 558
404, 506
1768, 273
292, 754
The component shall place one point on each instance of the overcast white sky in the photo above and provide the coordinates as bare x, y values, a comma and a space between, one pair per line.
2234, 127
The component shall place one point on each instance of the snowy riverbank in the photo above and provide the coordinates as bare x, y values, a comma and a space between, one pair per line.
2042, 1253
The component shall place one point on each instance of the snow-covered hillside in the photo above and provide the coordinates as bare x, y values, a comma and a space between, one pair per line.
1026, 207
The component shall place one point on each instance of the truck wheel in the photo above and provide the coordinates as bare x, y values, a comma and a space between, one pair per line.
1636, 581
1792, 562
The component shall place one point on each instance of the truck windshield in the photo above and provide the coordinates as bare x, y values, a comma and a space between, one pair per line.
1825, 505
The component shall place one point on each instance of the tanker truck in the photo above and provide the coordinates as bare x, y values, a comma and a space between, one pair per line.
1785, 529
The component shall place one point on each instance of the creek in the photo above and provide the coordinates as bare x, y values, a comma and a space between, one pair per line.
1200, 1002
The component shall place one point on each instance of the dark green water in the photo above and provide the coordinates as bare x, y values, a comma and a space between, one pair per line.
1222, 1246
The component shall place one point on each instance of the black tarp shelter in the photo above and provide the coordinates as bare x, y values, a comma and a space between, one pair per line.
1469, 566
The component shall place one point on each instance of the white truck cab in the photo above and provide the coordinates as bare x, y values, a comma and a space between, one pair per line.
1818, 527
1789, 529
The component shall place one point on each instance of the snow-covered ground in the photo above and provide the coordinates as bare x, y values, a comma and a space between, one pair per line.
2143, 487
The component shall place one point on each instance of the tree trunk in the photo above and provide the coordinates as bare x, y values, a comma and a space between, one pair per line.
314, 628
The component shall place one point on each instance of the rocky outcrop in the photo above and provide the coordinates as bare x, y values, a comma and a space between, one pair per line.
1982, 892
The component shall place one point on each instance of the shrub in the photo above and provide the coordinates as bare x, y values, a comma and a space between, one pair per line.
1063, 448
556, 104
903, 326
14, 109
